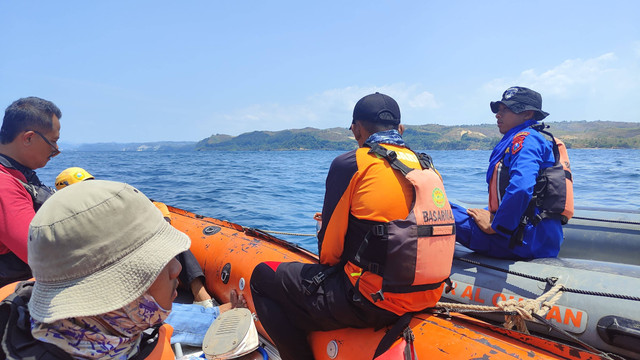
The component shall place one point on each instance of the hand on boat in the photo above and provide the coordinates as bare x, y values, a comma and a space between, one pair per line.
483, 219
235, 301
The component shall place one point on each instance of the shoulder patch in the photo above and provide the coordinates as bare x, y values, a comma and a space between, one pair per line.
518, 139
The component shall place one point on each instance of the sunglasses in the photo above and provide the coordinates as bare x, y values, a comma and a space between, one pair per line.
54, 148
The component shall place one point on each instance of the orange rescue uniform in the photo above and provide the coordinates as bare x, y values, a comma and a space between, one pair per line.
364, 188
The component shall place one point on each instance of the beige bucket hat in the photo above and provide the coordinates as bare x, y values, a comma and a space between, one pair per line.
96, 246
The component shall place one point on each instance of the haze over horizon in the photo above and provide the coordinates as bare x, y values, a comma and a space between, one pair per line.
163, 71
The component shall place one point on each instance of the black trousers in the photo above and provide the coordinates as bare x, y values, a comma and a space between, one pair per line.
190, 268
288, 314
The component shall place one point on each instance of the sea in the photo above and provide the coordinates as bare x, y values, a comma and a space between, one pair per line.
280, 191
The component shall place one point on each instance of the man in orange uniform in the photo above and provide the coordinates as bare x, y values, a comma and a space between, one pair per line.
362, 190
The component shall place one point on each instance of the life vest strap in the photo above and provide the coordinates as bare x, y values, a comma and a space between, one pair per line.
436, 230
568, 175
390, 156
546, 215
410, 288
399, 328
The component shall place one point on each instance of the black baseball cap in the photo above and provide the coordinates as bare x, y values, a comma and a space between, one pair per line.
519, 99
377, 108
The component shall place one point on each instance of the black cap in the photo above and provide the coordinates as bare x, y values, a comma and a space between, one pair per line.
519, 99
377, 108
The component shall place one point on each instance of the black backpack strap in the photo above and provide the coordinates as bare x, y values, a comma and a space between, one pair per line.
379, 231
425, 161
390, 156
401, 327
39, 193
556, 152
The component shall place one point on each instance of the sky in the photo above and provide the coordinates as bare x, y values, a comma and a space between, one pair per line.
143, 71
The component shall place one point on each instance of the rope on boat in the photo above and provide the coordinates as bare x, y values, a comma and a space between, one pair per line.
473, 262
551, 281
597, 293
608, 220
517, 311
285, 233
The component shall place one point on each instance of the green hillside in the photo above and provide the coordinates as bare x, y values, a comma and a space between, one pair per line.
575, 134
298, 139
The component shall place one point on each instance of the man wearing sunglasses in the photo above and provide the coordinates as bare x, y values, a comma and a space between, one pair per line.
28, 140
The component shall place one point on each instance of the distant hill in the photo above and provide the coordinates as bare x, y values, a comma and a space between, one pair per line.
296, 139
575, 134
150, 146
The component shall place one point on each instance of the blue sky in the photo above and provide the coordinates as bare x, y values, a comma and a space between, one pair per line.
137, 71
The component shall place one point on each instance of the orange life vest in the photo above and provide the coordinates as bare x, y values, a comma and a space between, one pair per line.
554, 186
412, 254
162, 349
553, 192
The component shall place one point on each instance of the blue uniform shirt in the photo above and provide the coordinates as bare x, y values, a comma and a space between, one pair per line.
525, 156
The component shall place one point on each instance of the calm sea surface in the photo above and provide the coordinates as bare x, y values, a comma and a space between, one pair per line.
281, 190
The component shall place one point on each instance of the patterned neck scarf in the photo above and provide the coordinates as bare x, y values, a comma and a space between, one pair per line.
114, 335
387, 137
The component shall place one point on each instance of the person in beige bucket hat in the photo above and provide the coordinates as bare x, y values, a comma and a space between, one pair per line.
191, 276
103, 258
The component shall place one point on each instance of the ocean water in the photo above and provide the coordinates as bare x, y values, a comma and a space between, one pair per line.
281, 190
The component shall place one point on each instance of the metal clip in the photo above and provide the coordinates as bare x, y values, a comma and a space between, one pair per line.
377, 296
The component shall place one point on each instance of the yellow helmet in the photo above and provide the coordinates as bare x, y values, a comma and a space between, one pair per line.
72, 175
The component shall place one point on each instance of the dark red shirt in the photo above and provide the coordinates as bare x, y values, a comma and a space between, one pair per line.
16, 209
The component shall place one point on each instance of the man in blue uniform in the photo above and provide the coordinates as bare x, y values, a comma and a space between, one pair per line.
502, 231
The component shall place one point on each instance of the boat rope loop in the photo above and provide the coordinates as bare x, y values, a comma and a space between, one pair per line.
526, 308
516, 311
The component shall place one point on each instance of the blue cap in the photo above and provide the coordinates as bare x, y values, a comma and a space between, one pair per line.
519, 99
377, 108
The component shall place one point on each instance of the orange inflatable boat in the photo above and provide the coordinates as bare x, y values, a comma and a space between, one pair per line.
229, 252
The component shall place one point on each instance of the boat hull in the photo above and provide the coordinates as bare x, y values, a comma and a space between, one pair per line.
603, 292
228, 254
